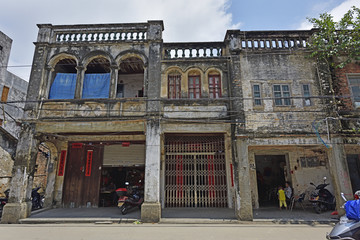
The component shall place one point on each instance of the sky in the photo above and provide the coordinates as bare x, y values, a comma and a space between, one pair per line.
184, 20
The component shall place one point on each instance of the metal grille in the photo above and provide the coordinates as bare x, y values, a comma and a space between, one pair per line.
195, 173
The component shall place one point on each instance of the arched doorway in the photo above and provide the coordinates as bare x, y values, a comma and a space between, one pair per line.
44, 176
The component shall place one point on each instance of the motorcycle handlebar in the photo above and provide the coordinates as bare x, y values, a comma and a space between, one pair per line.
343, 196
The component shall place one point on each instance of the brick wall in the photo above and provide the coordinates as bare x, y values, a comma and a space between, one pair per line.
341, 85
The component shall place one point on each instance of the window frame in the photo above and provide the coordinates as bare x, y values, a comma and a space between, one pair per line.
253, 95
349, 77
282, 98
305, 98
215, 90
196, 87
5, 94
176, 77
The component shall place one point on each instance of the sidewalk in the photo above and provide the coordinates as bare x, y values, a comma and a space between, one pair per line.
270, 215
296, 216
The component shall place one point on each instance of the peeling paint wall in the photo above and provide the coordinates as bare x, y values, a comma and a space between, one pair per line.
267, 70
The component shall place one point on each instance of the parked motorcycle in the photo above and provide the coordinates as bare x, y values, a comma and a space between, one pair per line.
37, 200
4, 200
349, 225
129, 198
322, 199
122, 196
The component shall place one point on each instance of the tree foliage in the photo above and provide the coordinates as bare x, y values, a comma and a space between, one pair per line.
333, 39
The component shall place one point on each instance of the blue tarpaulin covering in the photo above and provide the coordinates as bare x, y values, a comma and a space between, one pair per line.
96, 85
63, 86
352, 209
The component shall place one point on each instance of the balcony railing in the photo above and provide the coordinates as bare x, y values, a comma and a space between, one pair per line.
95, 32
193, 50
270, 40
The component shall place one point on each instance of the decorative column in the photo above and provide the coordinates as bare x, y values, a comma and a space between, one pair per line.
113, 81
19, 205
151, 208
243, 203
79, 81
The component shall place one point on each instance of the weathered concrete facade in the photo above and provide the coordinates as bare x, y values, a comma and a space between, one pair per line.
215, 124
13, 92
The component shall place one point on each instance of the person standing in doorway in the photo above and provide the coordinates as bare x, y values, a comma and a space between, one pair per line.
288, 192
282, 198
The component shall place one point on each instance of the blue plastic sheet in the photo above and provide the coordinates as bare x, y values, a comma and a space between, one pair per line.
63, 86
96, 85
352, 209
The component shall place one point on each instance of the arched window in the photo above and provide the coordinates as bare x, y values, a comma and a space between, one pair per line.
64, 83
214, 85
131, 78
194, 85
174, 85
97, 79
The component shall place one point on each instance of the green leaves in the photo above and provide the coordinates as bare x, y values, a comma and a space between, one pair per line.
336, 39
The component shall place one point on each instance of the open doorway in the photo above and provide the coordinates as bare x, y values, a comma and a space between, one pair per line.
122, 163
271, 172
113, 178
353, 162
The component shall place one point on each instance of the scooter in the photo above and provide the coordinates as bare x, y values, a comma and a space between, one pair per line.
128, 201
122, 196
349, 225
322, 199
36, 199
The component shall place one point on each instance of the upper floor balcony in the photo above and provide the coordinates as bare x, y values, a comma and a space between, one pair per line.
193, 50
267, 40
100, 33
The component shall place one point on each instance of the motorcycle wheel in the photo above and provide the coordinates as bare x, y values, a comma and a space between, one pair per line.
317, 208
123, 210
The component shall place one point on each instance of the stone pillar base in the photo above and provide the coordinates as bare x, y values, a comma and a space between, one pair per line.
13, 212
244, 214
150, 212
243, 211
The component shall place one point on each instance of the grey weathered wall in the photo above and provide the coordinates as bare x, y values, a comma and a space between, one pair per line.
9, 129
16, 85
267, 69
17, 94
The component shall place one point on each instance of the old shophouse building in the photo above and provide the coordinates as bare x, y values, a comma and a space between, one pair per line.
206, 124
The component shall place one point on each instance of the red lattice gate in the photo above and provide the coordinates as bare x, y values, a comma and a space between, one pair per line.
195, 172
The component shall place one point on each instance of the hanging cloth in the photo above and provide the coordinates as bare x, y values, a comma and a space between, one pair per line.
63, 86
96, 85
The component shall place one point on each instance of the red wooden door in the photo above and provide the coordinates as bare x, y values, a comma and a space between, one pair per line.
82, 176
92, 174
73, 176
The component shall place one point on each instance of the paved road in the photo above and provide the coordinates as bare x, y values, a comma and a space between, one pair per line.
162, 231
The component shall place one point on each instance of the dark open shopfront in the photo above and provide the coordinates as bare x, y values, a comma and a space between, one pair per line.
95, 170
